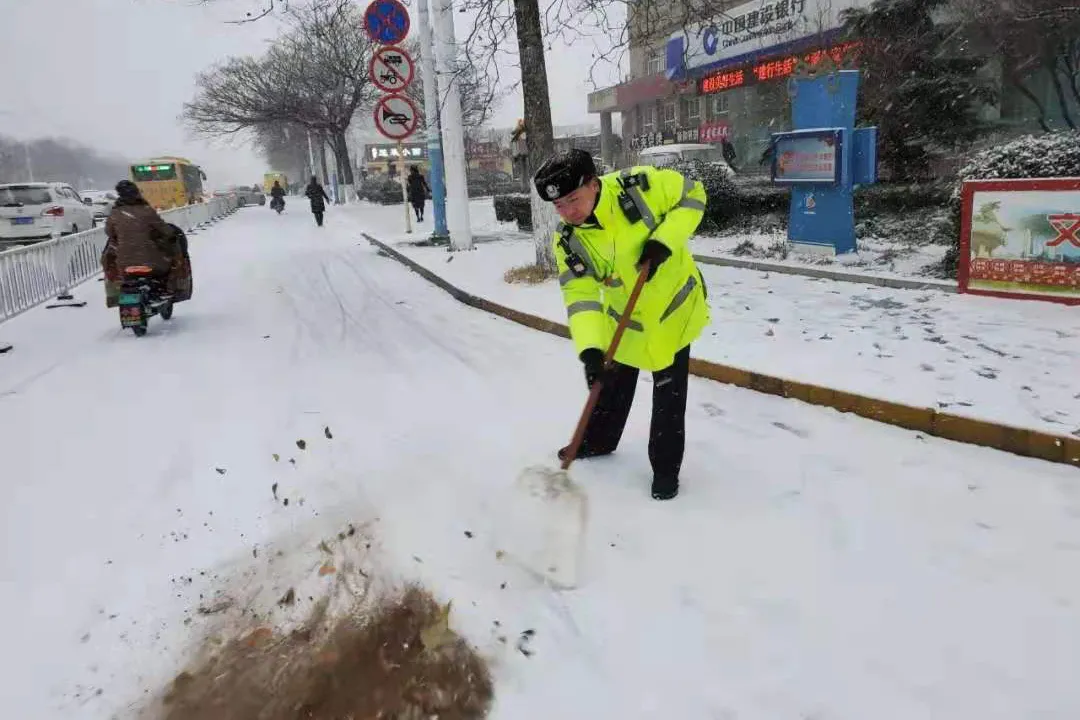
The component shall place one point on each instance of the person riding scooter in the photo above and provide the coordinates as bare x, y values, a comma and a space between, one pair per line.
137, 235
277, 197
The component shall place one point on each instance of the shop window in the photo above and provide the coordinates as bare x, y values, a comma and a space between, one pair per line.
720, 103
647, 118
691, 111
669, 115
654, 63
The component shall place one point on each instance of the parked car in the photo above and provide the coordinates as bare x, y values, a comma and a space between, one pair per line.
244, 194
661, 155
32, 212
101, 201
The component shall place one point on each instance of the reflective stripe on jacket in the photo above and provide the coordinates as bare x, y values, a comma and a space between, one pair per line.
671, 311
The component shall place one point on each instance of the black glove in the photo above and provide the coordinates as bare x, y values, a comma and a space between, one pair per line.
593, 360
655, 251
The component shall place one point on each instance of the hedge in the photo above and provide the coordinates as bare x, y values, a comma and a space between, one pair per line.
754, 202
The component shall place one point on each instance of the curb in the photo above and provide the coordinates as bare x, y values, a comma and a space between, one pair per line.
1019, 441
841, 275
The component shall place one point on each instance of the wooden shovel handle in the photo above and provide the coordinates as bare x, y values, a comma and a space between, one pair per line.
594, 392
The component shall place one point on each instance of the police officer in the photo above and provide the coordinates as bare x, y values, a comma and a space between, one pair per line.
610, 225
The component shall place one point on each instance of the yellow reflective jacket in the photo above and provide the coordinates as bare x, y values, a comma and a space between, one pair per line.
671, 311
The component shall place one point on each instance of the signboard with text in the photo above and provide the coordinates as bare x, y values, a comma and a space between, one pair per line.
667, 136
751, 29
389, 151
776, 68
714, 132
1021, 239
807, 156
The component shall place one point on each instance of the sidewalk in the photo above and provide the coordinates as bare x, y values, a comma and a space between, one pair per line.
1011, 362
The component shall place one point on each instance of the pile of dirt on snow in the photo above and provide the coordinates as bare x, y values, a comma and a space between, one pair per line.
397, 658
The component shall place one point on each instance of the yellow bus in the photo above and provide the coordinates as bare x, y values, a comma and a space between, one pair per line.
270, 177
169, 182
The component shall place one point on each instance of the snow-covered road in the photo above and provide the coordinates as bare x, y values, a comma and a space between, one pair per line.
816, 565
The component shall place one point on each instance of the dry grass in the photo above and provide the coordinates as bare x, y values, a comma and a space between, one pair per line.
528, 274
399, 661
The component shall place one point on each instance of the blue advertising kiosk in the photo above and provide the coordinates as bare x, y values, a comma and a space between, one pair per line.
823, 159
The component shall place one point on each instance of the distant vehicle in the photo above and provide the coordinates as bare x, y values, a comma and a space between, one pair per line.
270, 177
244, 195
32, 212
101, 202
661, 155
169, 182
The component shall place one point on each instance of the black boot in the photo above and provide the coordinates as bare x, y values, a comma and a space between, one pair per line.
664, 488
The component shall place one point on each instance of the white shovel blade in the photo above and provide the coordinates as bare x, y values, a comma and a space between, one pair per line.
541, 526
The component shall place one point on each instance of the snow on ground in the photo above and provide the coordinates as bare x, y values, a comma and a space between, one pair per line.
815, 565
1003, 360
875, 256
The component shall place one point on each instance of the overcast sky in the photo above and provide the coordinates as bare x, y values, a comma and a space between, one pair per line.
114, 74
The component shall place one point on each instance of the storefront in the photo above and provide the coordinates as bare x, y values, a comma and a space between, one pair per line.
488, 155
727, 80
382, 158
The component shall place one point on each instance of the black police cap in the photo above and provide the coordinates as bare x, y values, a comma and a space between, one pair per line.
563, 173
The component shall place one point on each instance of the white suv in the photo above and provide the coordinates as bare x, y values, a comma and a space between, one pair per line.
30, 212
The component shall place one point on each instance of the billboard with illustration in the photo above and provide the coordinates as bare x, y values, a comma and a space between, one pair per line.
1021, 238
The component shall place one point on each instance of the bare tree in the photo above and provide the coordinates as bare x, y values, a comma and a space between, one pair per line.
284, 145
314, 76
1038, 40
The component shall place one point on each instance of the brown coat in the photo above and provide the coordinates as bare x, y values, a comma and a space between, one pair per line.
138, 236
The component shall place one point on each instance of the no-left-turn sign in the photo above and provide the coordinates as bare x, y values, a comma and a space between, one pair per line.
396, 117
391, 69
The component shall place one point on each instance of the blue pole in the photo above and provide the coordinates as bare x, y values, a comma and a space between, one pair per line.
438, 183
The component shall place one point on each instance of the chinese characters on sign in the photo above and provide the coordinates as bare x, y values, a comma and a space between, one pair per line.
723, 81
686, 135
714, 132
1021, 238
774, 69
386, 152
665, 137
813, 157
759, 20
1066, 225
646, 140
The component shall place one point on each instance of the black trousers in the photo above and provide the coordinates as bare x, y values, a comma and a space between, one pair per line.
667, 432
318, 217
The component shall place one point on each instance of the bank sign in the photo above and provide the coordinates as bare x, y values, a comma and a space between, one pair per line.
751, 29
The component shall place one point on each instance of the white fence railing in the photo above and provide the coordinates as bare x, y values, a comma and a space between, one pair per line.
32, 274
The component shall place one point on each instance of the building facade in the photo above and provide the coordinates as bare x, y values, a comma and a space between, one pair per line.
705, 81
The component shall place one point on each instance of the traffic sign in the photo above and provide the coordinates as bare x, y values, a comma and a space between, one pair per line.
386, 21
391, 69
396, 117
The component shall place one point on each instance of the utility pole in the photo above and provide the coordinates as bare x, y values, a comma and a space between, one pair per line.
446, 54
431, 124
311, 154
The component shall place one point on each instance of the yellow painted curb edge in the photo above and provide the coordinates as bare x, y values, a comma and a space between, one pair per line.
1019, 441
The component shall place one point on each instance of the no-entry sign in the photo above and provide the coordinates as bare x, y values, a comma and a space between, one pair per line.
396, 117
386, 21
391, 69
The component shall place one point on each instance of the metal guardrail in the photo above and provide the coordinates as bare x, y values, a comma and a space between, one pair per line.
32, 274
